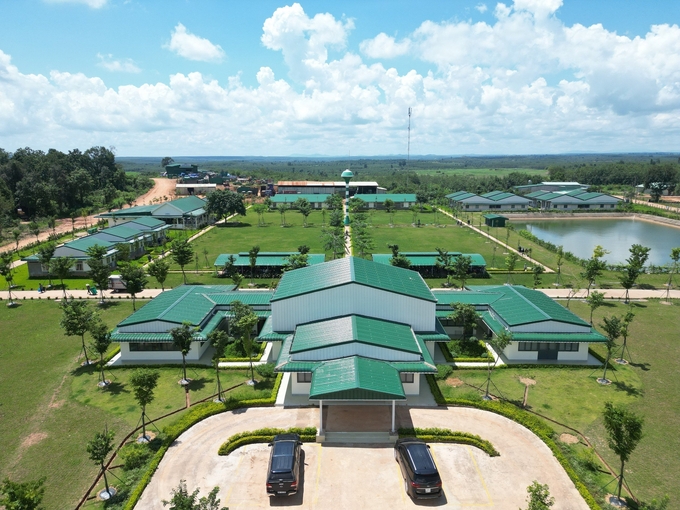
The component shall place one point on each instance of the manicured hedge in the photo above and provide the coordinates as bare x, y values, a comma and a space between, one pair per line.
307, 435
437, 435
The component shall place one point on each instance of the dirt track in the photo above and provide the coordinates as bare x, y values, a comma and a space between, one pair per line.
162, 188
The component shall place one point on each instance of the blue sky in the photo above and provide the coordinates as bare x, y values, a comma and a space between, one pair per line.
156, 78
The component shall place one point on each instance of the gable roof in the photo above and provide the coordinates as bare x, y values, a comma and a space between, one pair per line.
352, 270
188, 204
147, 221
426, 258
267, 258
86, 242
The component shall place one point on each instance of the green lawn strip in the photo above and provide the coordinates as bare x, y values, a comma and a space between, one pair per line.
40, 419
437, 435
307, 435
444, 348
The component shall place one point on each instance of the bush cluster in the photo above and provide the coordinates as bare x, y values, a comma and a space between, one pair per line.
307, 435
438, 435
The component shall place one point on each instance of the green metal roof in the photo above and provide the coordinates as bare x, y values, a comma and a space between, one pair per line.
352, 270
141, 210
267, 259
267, 334
446, 297
381, 197
356, 378
494, 217
497, 327
86, 242
427, 258
354, 328
499, 195
520, 305
460, 195
439, 335
289, 198
187, 204
148, 221
124, 231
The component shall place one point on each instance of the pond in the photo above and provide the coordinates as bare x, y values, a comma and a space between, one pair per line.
580, 236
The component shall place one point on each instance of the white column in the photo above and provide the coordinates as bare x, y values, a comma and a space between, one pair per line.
393, 406
320, 416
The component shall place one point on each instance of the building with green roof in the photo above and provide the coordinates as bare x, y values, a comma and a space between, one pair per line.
579, 199
182, 213
494, 200
426, 262
269, 264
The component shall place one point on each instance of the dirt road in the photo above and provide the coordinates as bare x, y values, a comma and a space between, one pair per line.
163, 189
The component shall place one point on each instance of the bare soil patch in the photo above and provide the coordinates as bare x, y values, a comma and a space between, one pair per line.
455, 382
526, 381
569, 439
33, 438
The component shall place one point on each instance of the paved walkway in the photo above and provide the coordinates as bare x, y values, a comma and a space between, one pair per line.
337, 477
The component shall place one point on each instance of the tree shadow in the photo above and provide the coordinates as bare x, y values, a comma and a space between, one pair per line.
646, 286
641, 366
233, 225
116, 388
197, 384
630, 390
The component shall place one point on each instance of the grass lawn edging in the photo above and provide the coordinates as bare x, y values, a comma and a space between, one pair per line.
459, 359
542, 430
437, 435
307, 435
195, 415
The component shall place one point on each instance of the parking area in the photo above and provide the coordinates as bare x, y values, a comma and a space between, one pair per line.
364, 477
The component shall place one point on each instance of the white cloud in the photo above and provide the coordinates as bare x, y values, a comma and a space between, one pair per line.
524, 83
94, 4
481, 8
384, 46
193, 47
117, 66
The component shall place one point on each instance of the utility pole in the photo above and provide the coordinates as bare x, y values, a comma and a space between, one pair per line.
408, 150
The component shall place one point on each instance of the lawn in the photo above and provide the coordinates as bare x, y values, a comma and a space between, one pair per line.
50, 406
572, 396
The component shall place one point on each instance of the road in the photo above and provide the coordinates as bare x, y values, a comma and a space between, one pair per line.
162, 189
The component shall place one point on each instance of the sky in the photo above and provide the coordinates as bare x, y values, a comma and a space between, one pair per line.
337, 78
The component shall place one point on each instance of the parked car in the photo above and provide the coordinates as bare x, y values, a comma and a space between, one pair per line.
116, 283
421, 478
283, 474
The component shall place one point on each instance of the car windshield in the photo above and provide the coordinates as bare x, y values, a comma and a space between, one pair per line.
282, 457
421, 459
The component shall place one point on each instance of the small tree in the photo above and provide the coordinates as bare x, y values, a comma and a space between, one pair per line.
461, 269
252, 260
144, 382
389, 209
182, 500
634, 267
16, 234
7, 273
182, 337
45, 255
34, 229
625, 323
537, 271
236, 279
595, 301
182, 254
22, 495
498, 342
624, 431
159, 270
611, 326
464, 314
100, 343
61, 268
99, 448
218, 339
594, 266
242, 326
260, 209
398, 259
305, 208
282, 208
333, 240
100, 270
52, 223
135, 280
560, 261
675, 257
444, 262
76, 320
539, 497
510, 262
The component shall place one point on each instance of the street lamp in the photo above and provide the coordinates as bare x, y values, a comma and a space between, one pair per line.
347, 176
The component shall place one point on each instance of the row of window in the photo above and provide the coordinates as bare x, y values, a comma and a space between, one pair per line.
584, 206
548, 346
306, 377
495, 206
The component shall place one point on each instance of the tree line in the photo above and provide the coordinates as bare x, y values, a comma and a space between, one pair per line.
35, 184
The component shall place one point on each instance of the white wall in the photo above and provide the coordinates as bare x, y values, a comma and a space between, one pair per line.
550, 327
356, 349
171, 356
513, 354
353, 299
414, 387
297, 388
580, 355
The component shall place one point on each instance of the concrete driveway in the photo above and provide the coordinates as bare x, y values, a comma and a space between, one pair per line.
364, 477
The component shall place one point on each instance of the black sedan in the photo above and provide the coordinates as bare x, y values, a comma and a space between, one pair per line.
421, 478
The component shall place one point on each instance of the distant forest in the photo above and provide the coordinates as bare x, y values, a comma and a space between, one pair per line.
35, 184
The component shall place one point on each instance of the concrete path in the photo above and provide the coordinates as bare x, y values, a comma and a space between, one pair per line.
363, 477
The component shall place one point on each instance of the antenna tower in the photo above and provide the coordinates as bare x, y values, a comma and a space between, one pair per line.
408, 150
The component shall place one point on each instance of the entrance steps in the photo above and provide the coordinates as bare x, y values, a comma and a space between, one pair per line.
359, 438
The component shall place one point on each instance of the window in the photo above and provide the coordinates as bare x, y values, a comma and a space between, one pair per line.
467, 206
566, 206
535, 346
584, 206
79, 266
152, 346
512, 207
601, 206
304, 377
496, 206
406, 378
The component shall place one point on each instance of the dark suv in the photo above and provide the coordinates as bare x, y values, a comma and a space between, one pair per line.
421, 478
284, 465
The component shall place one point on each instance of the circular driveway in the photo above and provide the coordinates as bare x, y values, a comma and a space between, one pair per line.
363, 477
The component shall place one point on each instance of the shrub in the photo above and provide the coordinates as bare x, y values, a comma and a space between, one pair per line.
443, 371
307, 435
266, 370
135, 455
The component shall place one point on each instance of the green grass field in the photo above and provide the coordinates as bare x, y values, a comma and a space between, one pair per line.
50, 406
479, 172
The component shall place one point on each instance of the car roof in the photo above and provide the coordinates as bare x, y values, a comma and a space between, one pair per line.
419, 455
286, 437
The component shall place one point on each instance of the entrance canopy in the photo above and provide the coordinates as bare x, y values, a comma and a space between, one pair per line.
356, 378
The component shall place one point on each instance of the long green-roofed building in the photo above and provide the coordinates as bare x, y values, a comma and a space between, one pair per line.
427, 263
